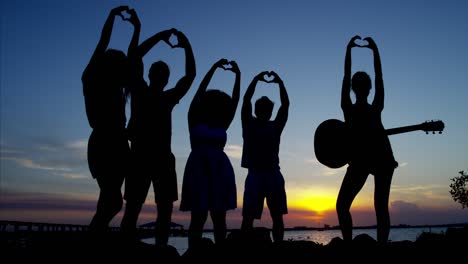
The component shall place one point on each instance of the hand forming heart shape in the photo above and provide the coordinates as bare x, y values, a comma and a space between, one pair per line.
173, 41
361, 43
125, 15
269, 77
227, 66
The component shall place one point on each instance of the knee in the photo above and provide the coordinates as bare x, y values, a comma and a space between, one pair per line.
342, 207
277, 218
278, 223
380, 207
164, 206
112, 203
116, 206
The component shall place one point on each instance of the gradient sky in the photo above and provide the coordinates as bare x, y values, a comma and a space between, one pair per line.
45, 46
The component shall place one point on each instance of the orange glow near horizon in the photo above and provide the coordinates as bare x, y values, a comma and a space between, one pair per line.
318, 202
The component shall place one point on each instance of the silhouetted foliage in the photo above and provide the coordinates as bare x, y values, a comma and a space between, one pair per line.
459, 189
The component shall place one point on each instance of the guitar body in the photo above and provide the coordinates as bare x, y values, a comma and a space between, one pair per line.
331, 140
331, 143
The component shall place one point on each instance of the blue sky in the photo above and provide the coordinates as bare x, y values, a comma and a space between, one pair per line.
45, 46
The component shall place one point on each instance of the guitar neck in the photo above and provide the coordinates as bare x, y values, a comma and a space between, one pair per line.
404, 129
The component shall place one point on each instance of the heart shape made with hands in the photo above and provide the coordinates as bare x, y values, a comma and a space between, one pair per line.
361, 43
125, 15
227, 66
173, 41
268, 77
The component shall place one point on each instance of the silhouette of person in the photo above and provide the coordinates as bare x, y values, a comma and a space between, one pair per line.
370, 148
260, 157
150, 130
105, 80
209, 182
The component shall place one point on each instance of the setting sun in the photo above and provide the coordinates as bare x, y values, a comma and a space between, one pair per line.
313, 201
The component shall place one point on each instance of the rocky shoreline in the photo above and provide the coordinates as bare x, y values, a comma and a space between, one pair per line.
238, 248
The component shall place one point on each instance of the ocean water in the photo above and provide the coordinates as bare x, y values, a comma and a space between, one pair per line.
320, 237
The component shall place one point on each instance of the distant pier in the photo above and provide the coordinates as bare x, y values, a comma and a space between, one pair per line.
20, 226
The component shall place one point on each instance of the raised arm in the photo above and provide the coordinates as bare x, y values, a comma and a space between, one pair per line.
148, 44
183, 85
107, 31
137, 81
136, 62
133, 47
235, 92
379, 86
283, 111
246, 112
346, 87
194, 106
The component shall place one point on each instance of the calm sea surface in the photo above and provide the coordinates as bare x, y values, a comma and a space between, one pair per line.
321, 237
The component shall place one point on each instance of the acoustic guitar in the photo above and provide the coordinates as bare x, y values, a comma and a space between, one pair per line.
331, 139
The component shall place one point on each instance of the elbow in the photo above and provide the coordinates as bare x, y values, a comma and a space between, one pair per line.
343, 106
188, 78
191, 74
84, 75
247, 98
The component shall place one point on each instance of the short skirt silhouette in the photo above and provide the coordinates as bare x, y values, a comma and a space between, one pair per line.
209, 180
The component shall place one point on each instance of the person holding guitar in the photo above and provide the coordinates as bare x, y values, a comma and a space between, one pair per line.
370, 149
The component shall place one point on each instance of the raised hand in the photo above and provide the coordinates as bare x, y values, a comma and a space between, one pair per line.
234, 67
221, 63
352, 42
118, 11
166, 35
133, 18
371, 44
261, 76
276, 78
182, 40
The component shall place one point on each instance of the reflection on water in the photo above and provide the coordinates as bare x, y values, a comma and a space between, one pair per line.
320, 237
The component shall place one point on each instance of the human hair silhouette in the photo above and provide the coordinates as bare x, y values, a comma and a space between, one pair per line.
209, 181
105, 81
370, 149
150, 130
260, 156
264, 108
361, 84
159, 74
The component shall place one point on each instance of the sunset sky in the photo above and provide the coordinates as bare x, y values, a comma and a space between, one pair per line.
45, 46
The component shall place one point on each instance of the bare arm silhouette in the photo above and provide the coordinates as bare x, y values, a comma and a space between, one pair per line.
136, 68
346, 88
106, 34
283, 111
183, 85
136, 62
195, 105
107, 31
379, 86
149, 43
132, 48
235, 93
246, 113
